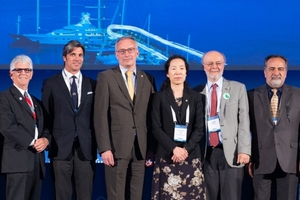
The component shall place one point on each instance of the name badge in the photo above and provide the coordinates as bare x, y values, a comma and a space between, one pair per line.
213, 124
180, 133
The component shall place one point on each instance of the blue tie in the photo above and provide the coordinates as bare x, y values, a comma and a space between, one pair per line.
74, 93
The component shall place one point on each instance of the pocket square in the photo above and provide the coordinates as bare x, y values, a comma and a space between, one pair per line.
90, 92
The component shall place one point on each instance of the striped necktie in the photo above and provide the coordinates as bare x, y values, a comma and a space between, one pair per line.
274, 104
27, 99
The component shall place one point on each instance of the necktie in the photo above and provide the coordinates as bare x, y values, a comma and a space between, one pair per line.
130, 84
213, 137
27, 99
274, 104
74, 93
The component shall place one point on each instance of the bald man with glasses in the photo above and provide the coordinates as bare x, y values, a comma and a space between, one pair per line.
228, 142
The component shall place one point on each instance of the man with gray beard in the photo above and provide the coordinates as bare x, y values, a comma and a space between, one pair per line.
274, 124
228, 141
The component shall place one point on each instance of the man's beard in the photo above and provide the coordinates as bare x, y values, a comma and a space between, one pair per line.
215, 77
276, 83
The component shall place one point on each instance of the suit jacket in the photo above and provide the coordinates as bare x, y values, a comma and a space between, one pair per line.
234, 120
17, 126
163, 123
272, 142
117, 118
63, 122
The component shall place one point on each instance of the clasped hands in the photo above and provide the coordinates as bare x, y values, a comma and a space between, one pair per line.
179, 154
40, 144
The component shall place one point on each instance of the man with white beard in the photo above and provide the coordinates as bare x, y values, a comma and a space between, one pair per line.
228, 141
274, 124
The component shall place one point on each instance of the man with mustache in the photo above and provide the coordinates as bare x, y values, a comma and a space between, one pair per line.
68, 98
274, 123
228, 141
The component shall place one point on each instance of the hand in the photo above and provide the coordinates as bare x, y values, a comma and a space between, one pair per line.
108, 158
249, 168
179, 154
149, 159
40, 144
243, 158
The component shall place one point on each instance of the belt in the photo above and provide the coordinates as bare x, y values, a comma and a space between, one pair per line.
220, 146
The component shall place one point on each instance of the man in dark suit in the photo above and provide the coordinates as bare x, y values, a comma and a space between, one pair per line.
230, 149
22, 126
121, 104
274, 123
68, 99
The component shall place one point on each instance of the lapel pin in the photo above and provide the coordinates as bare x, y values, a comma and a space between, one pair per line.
20, 98
226, 95
142, 75
186, 100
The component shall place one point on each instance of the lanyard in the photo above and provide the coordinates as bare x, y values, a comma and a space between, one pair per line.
187, 115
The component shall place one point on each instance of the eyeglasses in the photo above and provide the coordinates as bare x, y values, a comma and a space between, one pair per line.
210, 64
19, 70
123, 51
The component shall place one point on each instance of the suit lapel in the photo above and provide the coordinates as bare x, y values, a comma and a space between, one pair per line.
36, 110
204, 90
171, 100
20, 98
225, 90
262, 95
64, 89
139, 82
285, 98
120, 81
39, 116
185, 103
85, 88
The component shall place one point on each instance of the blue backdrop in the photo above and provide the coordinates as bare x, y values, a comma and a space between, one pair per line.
246, 31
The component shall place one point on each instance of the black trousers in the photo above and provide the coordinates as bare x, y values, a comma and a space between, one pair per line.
223, 182
75, 169
284, 184
125, 180
25, 186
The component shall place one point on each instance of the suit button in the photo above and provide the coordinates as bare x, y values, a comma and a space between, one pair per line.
133, 127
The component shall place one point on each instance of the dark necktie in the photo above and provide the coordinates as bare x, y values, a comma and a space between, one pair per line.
27, 99
213, 137
74, 93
